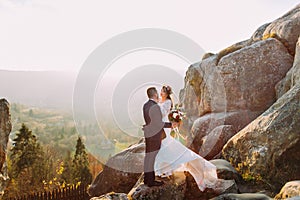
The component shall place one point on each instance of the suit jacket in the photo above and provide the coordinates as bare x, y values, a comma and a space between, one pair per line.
153, 129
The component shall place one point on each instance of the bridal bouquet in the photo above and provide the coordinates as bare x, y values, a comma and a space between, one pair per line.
176, 116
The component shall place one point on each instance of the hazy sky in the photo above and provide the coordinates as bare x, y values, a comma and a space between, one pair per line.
60, 34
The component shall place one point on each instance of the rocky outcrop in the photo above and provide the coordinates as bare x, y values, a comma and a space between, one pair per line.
5, 129
269, 147
240, 78
174, 187
181, 185
289, 190
121, 172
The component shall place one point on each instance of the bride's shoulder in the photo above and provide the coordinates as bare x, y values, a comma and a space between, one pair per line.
168, 101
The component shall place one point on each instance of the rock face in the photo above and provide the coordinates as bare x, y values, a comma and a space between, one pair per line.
293, 75
112, 196
5, 129
269, 147
181, 185
241, 79
210, 132
245, 196
286, 29
289, 190
226, 171
173, 188
121, 172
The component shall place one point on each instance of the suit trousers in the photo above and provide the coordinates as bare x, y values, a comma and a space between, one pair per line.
152, 148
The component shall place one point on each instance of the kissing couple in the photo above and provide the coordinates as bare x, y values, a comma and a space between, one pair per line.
164, 154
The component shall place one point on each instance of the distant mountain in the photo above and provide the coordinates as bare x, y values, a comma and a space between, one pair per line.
51, 89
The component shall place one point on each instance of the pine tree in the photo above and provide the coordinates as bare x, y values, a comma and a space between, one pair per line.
81, 170
27, 161
67, 174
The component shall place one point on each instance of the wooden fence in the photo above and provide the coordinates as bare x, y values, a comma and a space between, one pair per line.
69, 193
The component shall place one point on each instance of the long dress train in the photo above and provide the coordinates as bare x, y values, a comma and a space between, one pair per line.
174, 156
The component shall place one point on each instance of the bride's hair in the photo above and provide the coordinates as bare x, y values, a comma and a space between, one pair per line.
168, 90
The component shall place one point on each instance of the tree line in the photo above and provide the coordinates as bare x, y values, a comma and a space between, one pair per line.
35, 168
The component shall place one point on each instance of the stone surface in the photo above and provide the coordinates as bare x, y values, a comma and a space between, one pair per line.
251, 73
224, 85
227, 183
173, 188
213, 143
220, 125
269, 147
121, 172
226, 171
5, 129
289, 190
293, 75
240, 78
245, 196
286, 29
180, 185
112, 196
222, 187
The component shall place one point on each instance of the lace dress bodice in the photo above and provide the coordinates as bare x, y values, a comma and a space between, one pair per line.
165, 108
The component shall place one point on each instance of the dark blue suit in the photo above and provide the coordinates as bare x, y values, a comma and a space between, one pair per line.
153, 131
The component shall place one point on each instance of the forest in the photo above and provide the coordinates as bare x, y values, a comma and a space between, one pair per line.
46, 152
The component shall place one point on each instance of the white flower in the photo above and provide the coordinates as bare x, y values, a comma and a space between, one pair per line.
175, 115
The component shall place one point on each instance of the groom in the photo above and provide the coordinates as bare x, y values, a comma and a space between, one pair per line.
153, 131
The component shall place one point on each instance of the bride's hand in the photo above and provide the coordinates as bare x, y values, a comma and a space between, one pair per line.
175, 124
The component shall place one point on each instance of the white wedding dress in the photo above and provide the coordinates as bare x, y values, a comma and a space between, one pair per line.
174, 156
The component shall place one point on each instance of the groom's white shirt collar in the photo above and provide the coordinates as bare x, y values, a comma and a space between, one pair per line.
152, 100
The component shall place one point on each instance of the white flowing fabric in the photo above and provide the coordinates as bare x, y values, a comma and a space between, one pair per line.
174, 156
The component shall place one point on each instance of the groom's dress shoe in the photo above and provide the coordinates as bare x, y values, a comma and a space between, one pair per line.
155, 183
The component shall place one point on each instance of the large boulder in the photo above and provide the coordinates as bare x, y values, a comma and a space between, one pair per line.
269, 147
226, 171
5, 129
173, 188
211, 132
241, 80
213, 143
121, 171
289, 190
251, 73
286, 29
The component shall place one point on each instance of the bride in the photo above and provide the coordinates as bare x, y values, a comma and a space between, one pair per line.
174, 156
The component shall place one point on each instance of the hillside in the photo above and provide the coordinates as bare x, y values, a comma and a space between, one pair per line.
56, 128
